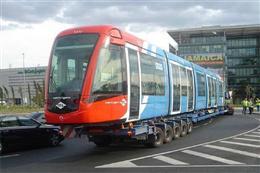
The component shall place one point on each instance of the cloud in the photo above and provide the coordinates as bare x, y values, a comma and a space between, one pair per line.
164, 13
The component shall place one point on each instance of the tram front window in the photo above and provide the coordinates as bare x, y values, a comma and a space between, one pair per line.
69, 62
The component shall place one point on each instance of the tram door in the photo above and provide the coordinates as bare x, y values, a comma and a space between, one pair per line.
134, 84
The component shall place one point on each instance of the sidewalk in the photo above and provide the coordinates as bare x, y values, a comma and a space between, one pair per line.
239, 109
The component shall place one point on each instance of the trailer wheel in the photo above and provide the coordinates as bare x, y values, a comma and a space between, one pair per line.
155, 140
184, 129
1, 147
176, 131
168, 134
190, 127
102, 141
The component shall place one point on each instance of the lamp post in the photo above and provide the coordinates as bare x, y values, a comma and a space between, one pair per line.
23, 78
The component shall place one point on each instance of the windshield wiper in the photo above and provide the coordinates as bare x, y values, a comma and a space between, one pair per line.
52, 82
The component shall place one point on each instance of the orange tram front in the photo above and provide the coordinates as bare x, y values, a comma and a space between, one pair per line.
86, 82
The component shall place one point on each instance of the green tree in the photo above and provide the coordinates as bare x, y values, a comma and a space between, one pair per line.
6, 92
20, 91
39, 94
13, 94
1, 94
29, 93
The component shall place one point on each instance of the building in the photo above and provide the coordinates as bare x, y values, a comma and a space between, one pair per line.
23, 82
231, 51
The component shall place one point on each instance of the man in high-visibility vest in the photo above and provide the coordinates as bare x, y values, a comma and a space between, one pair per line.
250, 106
244, 105
257, 103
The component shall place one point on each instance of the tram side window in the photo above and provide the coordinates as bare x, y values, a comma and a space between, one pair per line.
213, 87
110, 76
209, 91
184, 82
152, 72
201, 84
214, 90
190, 89
220, 90
176, 87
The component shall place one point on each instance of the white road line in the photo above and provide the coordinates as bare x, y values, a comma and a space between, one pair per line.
240, 143
170, 160
258, 133
171, 151
212, 157
195, 166
123, 164
245, 153
8, 156
255, 136
247, 139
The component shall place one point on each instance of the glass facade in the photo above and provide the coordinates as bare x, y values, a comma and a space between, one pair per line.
232, 52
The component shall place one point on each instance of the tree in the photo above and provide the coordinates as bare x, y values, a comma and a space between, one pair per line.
13, 95
20, 90
29, 93
6, 92
244, 91
1, 94
39, 94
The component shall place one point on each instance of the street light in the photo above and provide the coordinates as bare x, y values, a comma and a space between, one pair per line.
23, 78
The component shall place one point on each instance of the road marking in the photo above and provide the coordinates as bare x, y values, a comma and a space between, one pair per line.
247, 139
255, 136
212, 157
8, 156
245, 153
258, 133
171, 151
240, 143
189, 166
170, 160
123, 164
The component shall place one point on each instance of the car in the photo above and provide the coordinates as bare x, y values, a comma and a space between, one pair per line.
17, 131
39, 116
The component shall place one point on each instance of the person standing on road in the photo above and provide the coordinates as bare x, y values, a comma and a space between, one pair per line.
258, 104
244, 105
250, 106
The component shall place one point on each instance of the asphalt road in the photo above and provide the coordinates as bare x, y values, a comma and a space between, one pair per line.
224, 144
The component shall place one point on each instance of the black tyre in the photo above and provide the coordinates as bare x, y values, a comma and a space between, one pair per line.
168, 134
190, 127
155, 140
1, 147
176, 131
102, 141
184, 129
54, 140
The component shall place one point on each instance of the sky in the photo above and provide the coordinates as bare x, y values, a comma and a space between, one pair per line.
29, 27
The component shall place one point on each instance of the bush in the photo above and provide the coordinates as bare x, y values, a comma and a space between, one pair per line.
10, 109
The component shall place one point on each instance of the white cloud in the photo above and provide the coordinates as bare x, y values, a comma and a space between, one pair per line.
35, 42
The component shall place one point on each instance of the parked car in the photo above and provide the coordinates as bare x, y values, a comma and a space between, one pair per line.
39, 116
17, 131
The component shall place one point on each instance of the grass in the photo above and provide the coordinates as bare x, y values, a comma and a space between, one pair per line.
18, 109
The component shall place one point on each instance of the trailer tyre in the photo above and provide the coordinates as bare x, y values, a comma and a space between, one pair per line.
168, 134
155, 140
184, 129
102, 141
176, 131
190, 127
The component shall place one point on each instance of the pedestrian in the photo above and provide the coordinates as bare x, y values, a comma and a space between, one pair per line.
257, 104
244, 105
250, 106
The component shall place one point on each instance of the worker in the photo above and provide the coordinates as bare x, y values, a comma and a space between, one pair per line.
244, 105
257, 103
250, 106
